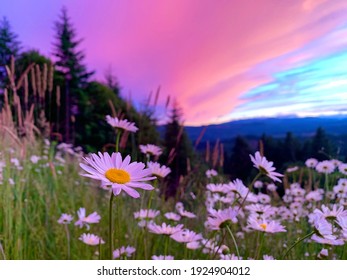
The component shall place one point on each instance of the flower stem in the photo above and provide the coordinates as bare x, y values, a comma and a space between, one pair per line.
297, 242
166, 245
155, 182
100, 249
118, 132
110, 227
185, 251
250, 187
2, 252
260, 246
220, 244
234, 240
326, 182
68, 241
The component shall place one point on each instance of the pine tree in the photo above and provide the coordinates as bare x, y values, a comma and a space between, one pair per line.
178, 149
70, 66
112, 81
290, 148
9, 46
239, 165
321, 145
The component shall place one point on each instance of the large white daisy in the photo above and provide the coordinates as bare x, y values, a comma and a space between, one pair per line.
117, 173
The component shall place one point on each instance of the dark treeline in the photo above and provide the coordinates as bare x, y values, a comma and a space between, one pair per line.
284, 152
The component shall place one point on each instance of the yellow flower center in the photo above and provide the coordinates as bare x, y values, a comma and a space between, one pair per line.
117, 176
263, 226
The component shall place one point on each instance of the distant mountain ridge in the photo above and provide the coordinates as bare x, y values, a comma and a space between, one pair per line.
276, 127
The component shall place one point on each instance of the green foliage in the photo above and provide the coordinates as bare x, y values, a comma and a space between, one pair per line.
31, 57
93, 132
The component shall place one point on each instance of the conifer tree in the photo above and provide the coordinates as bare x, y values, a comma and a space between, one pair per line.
9, 46
321, 145
70, 67
178, 149
239, 164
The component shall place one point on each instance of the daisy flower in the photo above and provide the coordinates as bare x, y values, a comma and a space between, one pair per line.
187, 236
265, 226
333, 242
325, 166
65, 219
212, 247
265, 167
342, 182
323, 229
336, 162
258, 184
117, 173
271, 187
151, 150
311, 162
179, 206
218, 219
314, 196
238, 187
211, 173
164, 229
343, 168
333, 214
146, 214
292, 169
123, 251
90, 219
323, 254
91, 239
264, 198
157, 170
232, 257
161, 257
122, 124
217, 188
172, 216
260, 210
34, 159
187, 214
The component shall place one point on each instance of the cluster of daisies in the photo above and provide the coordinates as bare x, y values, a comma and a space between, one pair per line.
84, 220
11, 164
232, 208
118, 174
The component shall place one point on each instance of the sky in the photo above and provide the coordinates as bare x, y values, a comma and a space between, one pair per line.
221, 60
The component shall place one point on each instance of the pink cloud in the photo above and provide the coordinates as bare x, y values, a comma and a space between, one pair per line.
201, 52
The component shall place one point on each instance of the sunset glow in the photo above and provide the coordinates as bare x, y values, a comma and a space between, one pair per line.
221, 60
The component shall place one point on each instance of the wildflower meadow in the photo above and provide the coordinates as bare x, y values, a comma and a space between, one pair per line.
57, 202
